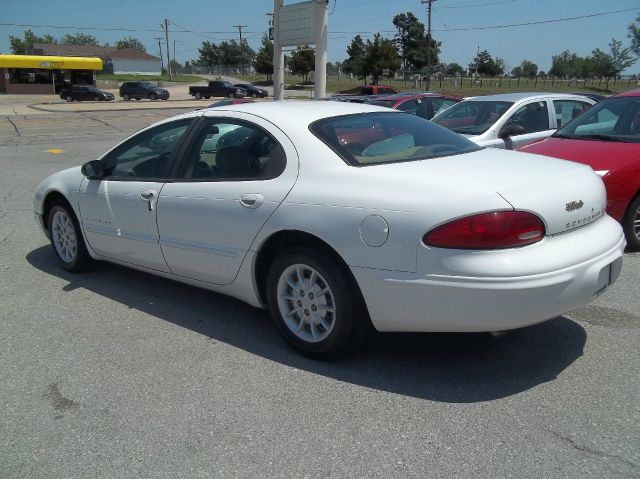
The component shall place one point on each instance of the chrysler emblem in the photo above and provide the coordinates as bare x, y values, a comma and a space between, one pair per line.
574, 205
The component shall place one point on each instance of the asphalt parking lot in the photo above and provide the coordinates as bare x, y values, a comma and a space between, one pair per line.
116, 373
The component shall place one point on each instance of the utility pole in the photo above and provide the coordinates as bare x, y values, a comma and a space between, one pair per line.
428, 2
174, 51
160, 48
278, 54
240, 27
477, 60
166, 36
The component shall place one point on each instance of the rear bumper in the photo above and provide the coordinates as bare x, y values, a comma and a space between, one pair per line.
401, 301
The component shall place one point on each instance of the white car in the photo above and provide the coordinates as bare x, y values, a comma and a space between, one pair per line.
335, 216
512, 120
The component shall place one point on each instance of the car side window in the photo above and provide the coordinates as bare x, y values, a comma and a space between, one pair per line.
147, 155
567, 110
227, 149
441, 104
532, 117
410, 106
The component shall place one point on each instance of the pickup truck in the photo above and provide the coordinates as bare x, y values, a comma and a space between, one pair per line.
217, 88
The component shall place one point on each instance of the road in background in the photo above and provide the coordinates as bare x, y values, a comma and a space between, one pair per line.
117, 373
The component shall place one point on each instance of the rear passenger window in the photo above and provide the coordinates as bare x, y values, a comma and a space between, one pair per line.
567, 110
225, 149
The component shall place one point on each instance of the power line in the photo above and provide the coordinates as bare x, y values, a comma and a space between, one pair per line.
554, 20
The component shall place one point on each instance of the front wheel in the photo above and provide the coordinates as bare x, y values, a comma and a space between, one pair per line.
254, 95
67, 240
231, 95
96, 98
153, 97
315, 303
198, 95
631, 225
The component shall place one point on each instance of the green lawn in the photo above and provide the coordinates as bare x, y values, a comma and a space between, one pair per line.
467, 86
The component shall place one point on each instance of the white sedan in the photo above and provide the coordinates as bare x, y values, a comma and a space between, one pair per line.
336, 216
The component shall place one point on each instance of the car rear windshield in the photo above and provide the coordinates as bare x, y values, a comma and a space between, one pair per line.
614, 119
472, 117
375, 138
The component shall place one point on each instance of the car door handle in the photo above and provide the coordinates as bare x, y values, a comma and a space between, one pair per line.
147, 195
251, 200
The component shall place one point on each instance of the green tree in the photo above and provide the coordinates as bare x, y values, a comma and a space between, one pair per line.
621, 58
486, 65
302, 62
634, 35
381, 54
209, 54
412, 43
566, 65
529, 69
354, 63
130, 42
454, 69
264, 58
79, 39
22, 46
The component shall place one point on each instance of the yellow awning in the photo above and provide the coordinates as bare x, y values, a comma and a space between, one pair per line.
50, 62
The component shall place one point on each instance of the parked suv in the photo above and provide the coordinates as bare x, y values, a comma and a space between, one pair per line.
142, 89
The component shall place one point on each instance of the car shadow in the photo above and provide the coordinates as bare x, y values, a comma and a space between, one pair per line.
456, 368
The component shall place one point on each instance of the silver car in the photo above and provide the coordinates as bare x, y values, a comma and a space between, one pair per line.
512, 120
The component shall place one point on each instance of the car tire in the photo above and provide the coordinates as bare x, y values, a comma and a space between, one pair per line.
230, 95
126, 97
254, 95
69, 98
198, 95
96, 98
153, 97
321, 326
631, 225
66, 239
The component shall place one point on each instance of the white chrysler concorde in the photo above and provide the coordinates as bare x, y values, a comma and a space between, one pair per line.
336, 216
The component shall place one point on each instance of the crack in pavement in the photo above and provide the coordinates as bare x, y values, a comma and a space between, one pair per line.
101, 121
578, 447
15, 127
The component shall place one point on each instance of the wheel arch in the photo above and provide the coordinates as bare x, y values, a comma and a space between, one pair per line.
283, 240
52, 198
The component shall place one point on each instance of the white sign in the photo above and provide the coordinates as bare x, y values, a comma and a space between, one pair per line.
296, 24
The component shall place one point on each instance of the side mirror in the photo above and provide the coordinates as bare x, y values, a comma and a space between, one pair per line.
511, 130
93, 170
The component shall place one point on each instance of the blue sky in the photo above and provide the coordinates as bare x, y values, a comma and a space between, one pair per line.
213, 20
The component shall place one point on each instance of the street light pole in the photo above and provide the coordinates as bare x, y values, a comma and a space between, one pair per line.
428, 2
278, 54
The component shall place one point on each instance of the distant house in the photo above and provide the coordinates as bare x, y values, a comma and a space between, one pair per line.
126, 60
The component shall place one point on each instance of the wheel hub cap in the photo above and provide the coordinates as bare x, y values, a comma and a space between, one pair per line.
64, 236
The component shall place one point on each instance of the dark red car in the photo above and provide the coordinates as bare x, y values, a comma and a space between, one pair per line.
607, 138
425, 105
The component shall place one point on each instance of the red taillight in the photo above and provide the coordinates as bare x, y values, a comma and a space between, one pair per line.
500, 229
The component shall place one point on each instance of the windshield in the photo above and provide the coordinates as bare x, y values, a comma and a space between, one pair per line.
372, 138
472, 117
615, 119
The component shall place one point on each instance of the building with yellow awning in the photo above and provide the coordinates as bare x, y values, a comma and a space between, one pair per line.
42, 74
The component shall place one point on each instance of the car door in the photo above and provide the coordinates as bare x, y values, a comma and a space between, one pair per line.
534, 118
119, 211
235, 172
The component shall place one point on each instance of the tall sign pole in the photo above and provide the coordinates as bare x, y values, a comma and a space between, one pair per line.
278, 54
428, 2
320, 29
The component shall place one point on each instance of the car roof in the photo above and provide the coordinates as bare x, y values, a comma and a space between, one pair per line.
407, 96
635, 92
293, 113
515, 97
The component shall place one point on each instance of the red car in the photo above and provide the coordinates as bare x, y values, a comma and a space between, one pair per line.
425, 105
607, 138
